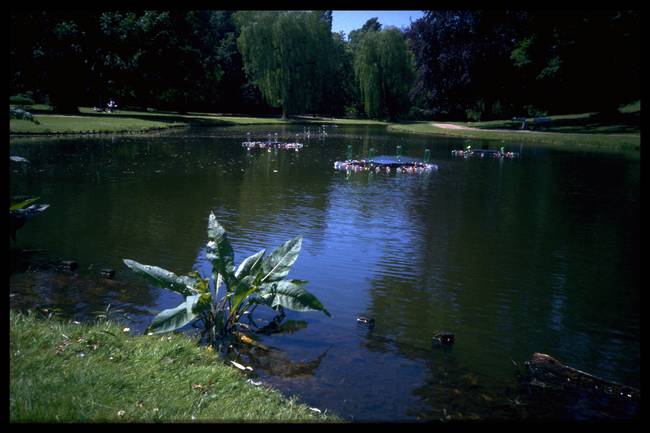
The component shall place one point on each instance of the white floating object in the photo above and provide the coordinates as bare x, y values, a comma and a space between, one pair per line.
238, 365
315, 409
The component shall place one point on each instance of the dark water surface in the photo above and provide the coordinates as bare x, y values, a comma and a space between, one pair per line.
538, 254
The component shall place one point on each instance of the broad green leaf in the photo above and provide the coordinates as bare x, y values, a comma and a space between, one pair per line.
202, 285
277, 265
289, 294
163, 278
23, 204
250, 265
174, 318
220, 252
243, 289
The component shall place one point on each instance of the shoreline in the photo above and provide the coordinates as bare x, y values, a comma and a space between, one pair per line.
67, 371
135, 123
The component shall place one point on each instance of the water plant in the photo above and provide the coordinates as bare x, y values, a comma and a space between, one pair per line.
258, 280
20, 210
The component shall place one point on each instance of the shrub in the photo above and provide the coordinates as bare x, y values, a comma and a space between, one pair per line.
21, 99
417, 113
475, 113
19, 113
534, 111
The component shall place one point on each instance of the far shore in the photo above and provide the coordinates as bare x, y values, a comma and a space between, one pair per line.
137, 122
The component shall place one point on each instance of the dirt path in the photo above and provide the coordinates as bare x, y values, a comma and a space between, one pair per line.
469, 128
452, 126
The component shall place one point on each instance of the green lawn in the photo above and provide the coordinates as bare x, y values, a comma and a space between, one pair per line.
88, 122
576, 130
58, 124
61, 371
585, 130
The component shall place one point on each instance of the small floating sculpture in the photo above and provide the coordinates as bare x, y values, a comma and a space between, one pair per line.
468, 152
387, 164
272, 145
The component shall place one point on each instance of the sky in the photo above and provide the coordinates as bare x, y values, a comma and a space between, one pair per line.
352, 20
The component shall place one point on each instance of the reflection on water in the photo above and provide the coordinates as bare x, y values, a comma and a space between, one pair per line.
539, 254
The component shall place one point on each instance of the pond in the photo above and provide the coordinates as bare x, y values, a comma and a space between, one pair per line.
535, 254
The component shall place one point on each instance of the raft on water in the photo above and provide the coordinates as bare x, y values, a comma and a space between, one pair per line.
468, 152
385, 163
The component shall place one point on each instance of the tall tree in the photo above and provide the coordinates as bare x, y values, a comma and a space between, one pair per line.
286, 55
462, 58
580, 61
53, 59
383, 67
339, 91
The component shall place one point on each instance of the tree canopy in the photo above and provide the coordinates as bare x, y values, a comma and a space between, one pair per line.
287, 54
384, 69
453, 65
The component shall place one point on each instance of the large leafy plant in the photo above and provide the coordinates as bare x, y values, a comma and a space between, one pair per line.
258, 280
20, 211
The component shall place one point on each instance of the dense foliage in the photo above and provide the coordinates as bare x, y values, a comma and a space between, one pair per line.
475, 65
384, 69
287, 54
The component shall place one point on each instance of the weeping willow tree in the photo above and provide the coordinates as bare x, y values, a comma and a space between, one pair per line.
383, 66
286, 53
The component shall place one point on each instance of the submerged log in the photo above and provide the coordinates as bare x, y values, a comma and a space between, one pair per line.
548, 372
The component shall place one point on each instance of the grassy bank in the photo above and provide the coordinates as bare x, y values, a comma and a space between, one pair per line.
57, 124
61, 371
89, 122
578, 130
621, 141
620, 131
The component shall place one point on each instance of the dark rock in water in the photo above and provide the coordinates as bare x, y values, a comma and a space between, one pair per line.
69, 264
107, 273
446, 338
365, 320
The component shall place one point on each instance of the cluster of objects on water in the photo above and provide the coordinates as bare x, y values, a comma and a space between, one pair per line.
468, 152
386, 163
270, 144
373, 165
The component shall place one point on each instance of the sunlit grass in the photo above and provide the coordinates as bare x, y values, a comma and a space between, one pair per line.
567, 129
62, 124
89, 122
61, 371
613, 141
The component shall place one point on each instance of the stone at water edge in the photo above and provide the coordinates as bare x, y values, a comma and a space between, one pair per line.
443, 337
107, 273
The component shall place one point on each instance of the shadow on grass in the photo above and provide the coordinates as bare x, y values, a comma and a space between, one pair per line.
598, 123
163, 118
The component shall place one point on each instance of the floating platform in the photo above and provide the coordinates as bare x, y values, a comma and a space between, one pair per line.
272, 145
387, 164
483, 153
